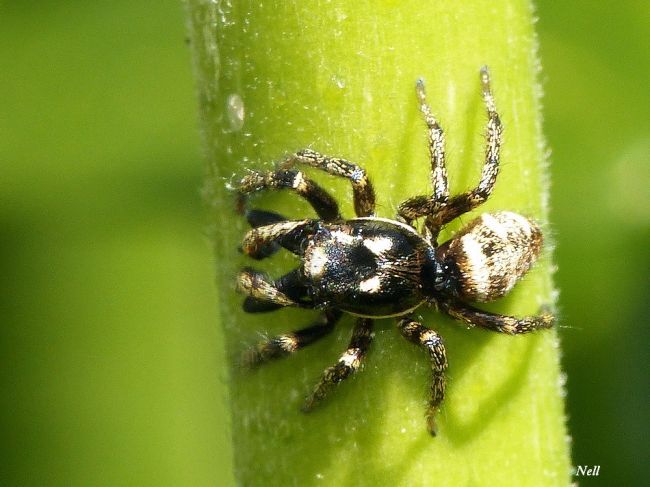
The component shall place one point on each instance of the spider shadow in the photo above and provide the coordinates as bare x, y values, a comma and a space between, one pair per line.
461, 428
457, 429
390, 355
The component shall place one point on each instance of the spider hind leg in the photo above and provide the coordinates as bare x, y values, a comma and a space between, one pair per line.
348, 363
288, 343
509, 325
428, 339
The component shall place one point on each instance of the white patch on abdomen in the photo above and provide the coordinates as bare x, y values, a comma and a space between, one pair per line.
477, 271
378, 245
496, 226
316, 262
343, 237
370, 285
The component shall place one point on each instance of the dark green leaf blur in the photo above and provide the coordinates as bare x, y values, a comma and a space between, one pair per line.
596, 76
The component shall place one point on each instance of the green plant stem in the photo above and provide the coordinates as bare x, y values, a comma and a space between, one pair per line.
339, 77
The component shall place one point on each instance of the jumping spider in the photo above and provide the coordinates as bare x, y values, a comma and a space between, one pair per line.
374, 267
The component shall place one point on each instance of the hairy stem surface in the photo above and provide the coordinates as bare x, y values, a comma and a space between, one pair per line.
339, 77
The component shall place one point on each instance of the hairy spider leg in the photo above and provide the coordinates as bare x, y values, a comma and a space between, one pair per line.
296, 181
259, 218
265, 294
291, 286
418, 206
428, 339
465, 202
439, 208
436, 150
363, 193
509, 325
288, 343
348, 363
258, 242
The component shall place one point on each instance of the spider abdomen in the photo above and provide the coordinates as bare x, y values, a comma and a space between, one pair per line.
367, 266
491, 254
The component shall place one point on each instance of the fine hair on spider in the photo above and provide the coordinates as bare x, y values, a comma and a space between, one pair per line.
373, 267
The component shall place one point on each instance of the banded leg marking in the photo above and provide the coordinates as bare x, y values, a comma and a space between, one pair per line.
257, 243
260, 286
439, 208
465, 202
363, 193
324, 205
259, 218
509, 325
429, 340
288, 343
291, 285
419, 206
436, 149
348, 363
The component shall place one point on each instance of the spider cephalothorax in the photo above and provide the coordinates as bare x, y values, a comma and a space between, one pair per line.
374, 267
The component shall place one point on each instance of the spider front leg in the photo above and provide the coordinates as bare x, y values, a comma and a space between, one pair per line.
260, 218
428, 339
324, 205
288, 343
509, 325
259, 242
436, 150
348, 363
263, 294
465, 202
418, 206
363, 193
439, 208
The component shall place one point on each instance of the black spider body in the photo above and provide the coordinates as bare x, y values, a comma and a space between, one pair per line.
375, 267
370, 267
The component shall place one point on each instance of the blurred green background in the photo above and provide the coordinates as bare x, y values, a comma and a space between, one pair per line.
109, 343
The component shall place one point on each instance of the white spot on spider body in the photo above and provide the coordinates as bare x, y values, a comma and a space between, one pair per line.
378, 245
477, 270
317, 262
429, 337
523, 222
495, 226
343, 237
370, 285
